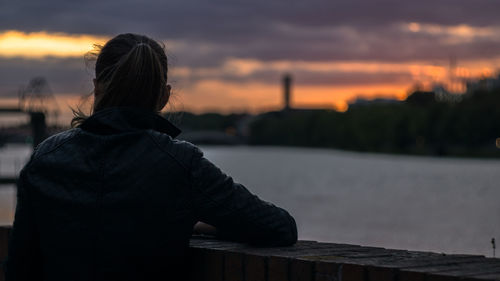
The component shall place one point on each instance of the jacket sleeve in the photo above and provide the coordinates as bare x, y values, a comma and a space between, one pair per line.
23, 259
236, 213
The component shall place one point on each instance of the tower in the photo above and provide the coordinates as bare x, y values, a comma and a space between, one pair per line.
287, 84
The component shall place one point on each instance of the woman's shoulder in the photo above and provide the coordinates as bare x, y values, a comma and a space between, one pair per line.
184, 152
54, 141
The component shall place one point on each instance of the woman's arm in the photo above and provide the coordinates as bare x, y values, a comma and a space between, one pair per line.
235, 212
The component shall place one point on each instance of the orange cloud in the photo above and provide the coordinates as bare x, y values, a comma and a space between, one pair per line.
38, 45
218, 96
213, 91
462, 30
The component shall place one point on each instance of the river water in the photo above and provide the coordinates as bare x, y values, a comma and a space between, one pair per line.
445, 205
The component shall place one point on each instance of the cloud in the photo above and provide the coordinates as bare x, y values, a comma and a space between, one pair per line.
38, 45
220, 19
207, 32
306, 73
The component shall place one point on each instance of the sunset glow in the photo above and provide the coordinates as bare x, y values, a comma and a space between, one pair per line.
252, 84
38, 45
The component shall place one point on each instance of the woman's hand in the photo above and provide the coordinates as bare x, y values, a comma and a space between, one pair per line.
204, 228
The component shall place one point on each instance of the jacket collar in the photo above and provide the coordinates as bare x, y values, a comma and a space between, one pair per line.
120, 119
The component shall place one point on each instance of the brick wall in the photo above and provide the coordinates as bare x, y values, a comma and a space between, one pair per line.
315, 261
214, 260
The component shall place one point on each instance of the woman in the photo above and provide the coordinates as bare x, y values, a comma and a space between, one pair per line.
116, 197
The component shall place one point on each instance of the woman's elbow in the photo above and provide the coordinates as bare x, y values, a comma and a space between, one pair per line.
291, 236
286, 235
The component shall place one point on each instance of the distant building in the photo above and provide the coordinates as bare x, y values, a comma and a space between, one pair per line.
484, 84
421, 98
377, 101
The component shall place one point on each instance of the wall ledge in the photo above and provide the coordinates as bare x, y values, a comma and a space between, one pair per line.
217, 260
317, 261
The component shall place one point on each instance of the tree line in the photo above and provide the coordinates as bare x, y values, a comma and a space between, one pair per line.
419, 125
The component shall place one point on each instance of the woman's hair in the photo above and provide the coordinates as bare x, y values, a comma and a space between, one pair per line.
130, 70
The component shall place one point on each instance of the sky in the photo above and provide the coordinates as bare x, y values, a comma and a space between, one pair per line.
230, 56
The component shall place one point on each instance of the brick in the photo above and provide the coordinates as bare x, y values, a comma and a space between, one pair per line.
214, 265
278, 269
195, 264
255, 268
411, 276
324, 267
352, 272
325, 277
326, 271
301, 270
376, 273
233, 266
206, 265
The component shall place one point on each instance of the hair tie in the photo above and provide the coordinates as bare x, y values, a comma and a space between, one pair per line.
141, 44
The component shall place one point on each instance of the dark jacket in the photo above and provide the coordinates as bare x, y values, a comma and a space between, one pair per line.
116, 199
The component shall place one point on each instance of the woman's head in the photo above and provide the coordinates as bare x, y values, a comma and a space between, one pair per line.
130, 70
